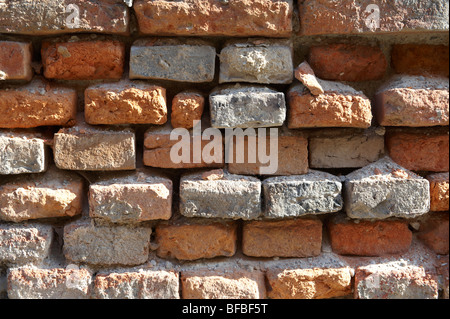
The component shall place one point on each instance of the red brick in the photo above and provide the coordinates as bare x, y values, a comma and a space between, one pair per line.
187, 107
348, 62
37, 104
56, 17
191, 241
368, 238
419, 151
125, 103
292, 156
434, 232
420, 59
288, 238
268, 18
339, 106
83, 60
222, 284
15, 61
439, 192
349, 17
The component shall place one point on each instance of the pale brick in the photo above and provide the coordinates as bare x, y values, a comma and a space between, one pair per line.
85, 242
56, 283
347, 17
22, 152
257, 61
413, 101
232, 196
125, 102
384, 189
420, 150
50, 194
395, 281
368, 238
339, 106
299, 195
158, 147
188, 240
288, 238
38, 103
345, 148
173, 60
131, 197
48, 17
142, 284
15, 61
223, 284
268, 18
439, 191
83, 59
244, 106
24, 244
92, 148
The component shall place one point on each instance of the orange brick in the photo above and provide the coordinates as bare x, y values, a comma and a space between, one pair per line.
288, 238
187, 107
190, 241
420, 151
439, 191
368, 238
83, 60
15, 61
348, 62
434, 232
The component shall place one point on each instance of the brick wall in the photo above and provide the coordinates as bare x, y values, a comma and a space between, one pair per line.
92, 205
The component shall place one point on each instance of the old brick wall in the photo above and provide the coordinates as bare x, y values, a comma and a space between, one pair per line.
93, 206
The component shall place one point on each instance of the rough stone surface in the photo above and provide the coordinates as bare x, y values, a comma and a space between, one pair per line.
142, 284
94, 148
37, 104
173, 60
443, 275
15, 61
131, 198
339, 106
434, 232
125, 103
305, 74
257, 61
287, 238
187, 107
313, 283
348, 62
191, 241
50, 194
268, 18
83, 60
85, 242
368, 238
24, 244
292, 154
395, 281
420, 150
419, 59
48, 17
234, 196
56, 283
246, 106
338, 148
23, 152
413, 101
348, 17
299, 195
384, 189
235, 284
158, 147
439, 191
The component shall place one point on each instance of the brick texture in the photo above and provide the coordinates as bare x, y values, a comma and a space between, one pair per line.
15, 61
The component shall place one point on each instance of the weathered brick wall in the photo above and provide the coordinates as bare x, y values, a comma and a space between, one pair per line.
93, 206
